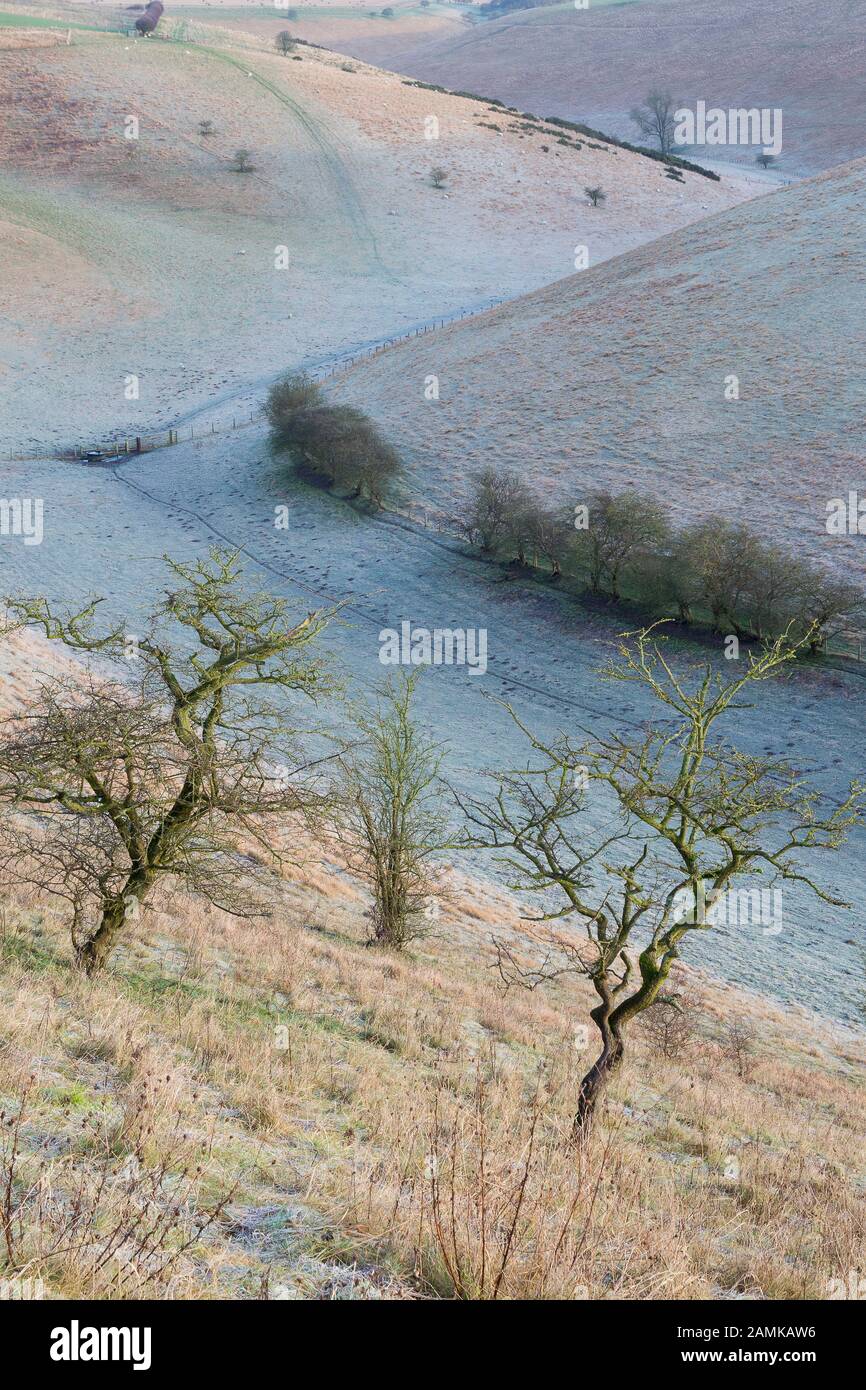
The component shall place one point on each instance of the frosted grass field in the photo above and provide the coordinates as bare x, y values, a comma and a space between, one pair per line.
105, 532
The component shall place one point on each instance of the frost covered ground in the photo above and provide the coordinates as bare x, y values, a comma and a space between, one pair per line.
147, 279
106, 529
594, 63
622, 376
160, 264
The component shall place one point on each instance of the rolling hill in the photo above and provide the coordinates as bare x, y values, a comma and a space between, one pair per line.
617, 375
595, 64
188, 283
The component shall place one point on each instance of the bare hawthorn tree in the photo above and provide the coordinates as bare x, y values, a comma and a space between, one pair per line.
667, 580
827, 603
728, 558
620, 529
393, 819
285, 42
690, 814
111, 787
670, 1024
655, 119
495, 505
545, 532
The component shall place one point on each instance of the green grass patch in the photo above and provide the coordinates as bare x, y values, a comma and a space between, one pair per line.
28, 21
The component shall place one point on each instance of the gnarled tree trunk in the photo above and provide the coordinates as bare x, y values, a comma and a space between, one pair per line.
611, 1018
93, 953
600, 1074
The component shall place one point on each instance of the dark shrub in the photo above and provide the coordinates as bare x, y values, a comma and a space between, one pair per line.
285, 398
339, 446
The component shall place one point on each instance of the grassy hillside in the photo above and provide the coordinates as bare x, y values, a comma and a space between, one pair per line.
277, 1111
595, 64
616, 377
271, 1109
166, 259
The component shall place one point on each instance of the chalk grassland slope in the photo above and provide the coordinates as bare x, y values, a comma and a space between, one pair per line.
284, 1066
616, 377
594, 65
159, 262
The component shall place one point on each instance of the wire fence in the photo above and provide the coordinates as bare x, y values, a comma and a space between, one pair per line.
118, 446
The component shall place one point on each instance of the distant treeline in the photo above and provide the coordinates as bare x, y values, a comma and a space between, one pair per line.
622, 547
625, 547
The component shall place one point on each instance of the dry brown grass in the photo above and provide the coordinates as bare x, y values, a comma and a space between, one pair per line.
301, 1116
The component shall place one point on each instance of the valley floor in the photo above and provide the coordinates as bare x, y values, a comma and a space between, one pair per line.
107, 528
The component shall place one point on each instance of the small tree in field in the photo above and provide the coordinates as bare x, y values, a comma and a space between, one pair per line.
284, 42
596, 195
394, 822
546, 533
671, 1023
112, 788
438, 177
242, 162
655, 119
765, 159
825, 605
668, 582
688, 815
727, 558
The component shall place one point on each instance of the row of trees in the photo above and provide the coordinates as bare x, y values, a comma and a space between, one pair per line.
333, 445
112, 788
624, 546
